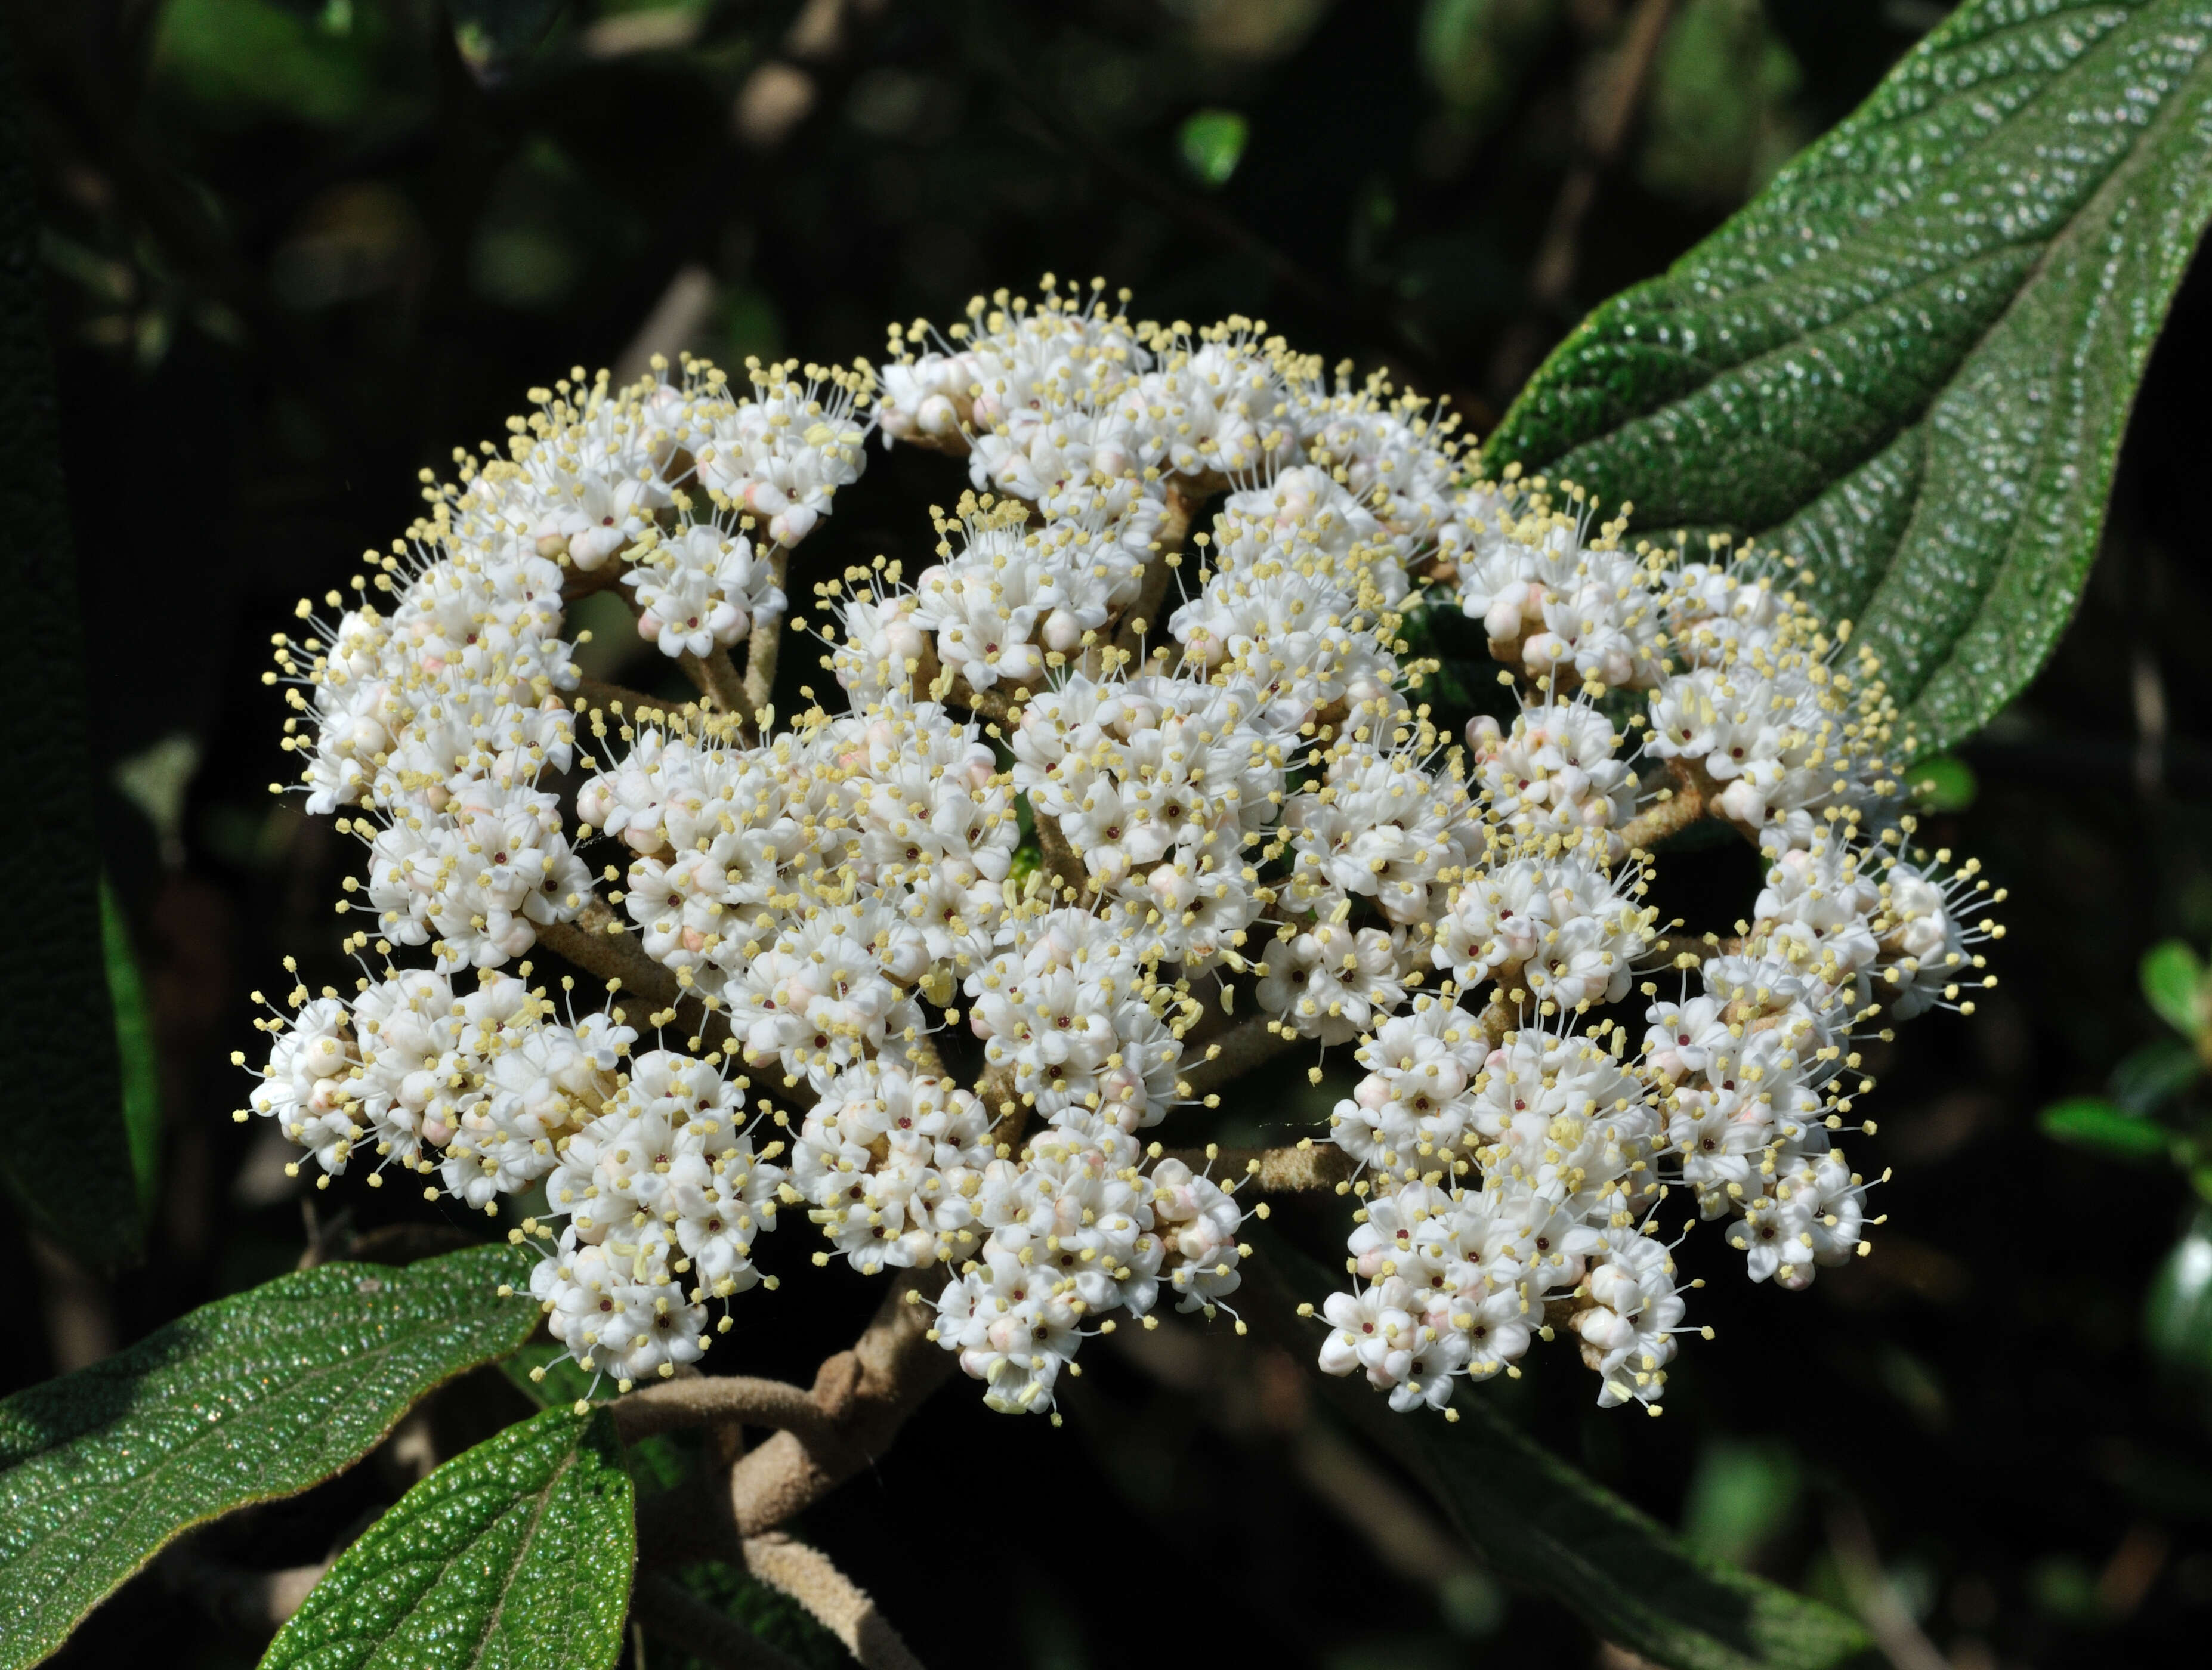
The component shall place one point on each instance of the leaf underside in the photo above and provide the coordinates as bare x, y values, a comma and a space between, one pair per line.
63, 1116
1544, 1524
1909, 362
253, 1397
515, 1555
1553, 1528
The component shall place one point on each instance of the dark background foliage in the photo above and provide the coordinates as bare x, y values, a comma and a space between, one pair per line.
299, 250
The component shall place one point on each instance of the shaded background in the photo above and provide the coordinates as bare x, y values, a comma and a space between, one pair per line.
301, 249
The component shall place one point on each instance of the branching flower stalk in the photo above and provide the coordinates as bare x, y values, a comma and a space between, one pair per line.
1166, 630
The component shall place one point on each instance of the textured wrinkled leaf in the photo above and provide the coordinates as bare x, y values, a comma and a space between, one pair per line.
2171, 974
255, 1396
1550, 1527
63, 1115
1909, 361
2103, 1127
515, 1555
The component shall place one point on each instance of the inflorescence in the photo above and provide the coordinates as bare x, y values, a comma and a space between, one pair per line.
1133, 782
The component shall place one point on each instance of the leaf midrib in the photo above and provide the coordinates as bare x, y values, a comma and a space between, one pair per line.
1874, 241
137, 1488
2097, 206
1753, 363
544, 1497
1870, 232
204, 1431
522, 1553
1568, 1551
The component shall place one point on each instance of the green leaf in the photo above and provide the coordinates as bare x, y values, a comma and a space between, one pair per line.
1719, 121
256, 1396
515, 1555
563, 1382
769, 1614
2178, 1311
1942, 782
1544, 1524
134, 1047
2102, 1127
63, 1114
1475, 52
1212, 144
492, 34
1547, 1526
2153, 1075
239, 59
1740, 1498
2173, 976
1908, 363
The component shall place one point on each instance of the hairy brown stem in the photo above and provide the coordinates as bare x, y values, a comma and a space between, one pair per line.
865, 1395
1059, 857
714, 1401
716, 677
1008, 1117
840, 1605
1497, 1018
599, 942
577, 583
1237, 1052
1678, 806
766, 644
622, 701
868, 1393
1302, 1166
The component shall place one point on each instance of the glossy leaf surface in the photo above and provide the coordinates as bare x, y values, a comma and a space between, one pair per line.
514, 1555
256, 1396
1908, 363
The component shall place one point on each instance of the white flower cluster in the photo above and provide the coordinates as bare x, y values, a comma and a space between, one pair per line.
1140, 754
1514, 1177
811, 885
436, 713
647, 1157
1156, 784
663, 1192
1078, 1230
704, 586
